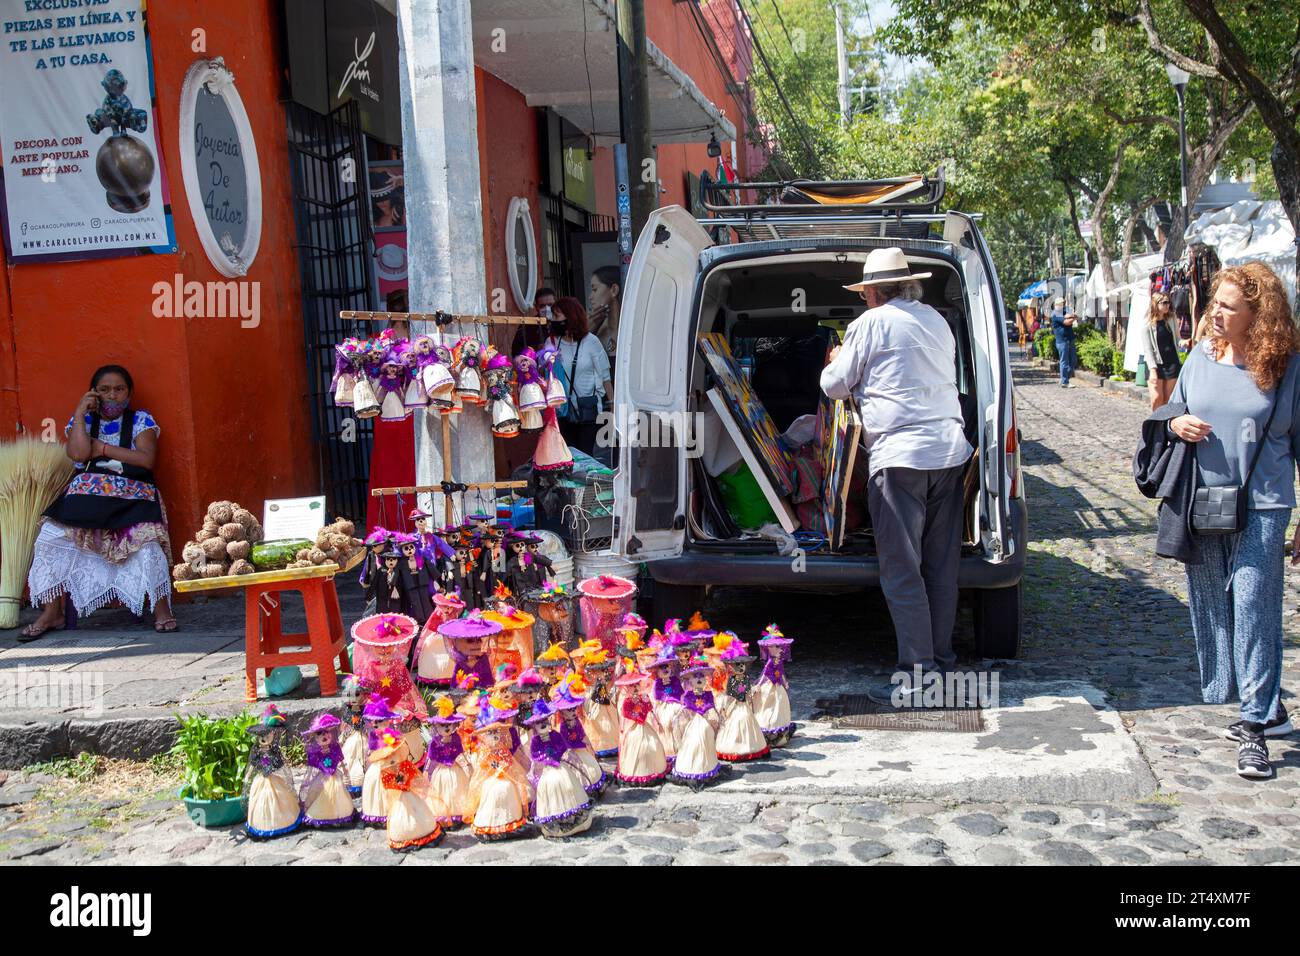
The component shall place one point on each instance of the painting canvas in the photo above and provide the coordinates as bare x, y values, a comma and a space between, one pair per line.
760, 433
839, 430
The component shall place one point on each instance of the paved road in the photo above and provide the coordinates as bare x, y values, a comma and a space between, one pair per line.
1100, 609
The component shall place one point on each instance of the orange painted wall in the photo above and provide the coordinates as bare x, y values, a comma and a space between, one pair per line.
232, 402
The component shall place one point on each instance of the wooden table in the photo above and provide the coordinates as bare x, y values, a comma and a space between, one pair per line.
265, 642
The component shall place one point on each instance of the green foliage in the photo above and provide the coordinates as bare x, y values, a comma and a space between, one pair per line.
1045, 345
1096, 354
81, 768
214, 754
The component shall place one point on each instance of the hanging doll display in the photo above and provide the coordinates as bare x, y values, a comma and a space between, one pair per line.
547, 357
416, 580
390, 388
567, 701
561, 806
433, 662
412, 810
468, 636
377, 717
387, 587
380, 644
505, 417
347, 364
414, 396
447, 765
532, 391
439, 385
697, 753
498, 790
740, 738
272, 800
771, 697
324, 791
470, 362
356, 748
599, 713
641, 758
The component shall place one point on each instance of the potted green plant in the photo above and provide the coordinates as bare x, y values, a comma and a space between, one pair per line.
214, 758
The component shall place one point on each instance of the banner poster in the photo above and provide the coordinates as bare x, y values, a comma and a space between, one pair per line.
83, 164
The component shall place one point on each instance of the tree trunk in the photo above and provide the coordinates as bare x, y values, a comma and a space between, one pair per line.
1286, 171
1100, 209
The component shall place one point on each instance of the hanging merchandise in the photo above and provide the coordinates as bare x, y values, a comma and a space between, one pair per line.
532, 391
470, 362
505, 417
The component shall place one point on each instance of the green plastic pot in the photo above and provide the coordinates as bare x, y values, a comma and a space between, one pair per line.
213, 813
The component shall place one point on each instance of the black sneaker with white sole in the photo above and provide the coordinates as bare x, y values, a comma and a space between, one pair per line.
1252, 758
1279, 726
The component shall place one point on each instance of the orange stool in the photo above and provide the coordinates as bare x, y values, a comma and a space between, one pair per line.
264, 642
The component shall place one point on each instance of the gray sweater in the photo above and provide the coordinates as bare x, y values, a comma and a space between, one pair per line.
1227, 398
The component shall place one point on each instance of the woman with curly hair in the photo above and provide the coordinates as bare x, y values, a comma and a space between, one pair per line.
1229, 385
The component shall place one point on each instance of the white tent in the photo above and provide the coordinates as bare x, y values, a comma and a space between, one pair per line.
1250, 231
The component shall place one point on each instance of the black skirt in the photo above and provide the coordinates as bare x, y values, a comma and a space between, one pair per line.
78, 509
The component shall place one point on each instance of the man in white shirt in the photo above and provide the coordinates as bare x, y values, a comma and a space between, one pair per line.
898, 362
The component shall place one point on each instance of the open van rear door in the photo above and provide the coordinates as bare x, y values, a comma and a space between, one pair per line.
984, 301
650, 386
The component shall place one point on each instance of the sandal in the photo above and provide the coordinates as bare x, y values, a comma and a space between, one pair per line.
166, 627
35, 629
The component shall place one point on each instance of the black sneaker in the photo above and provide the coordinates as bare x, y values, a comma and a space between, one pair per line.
1252, 758
1279, 726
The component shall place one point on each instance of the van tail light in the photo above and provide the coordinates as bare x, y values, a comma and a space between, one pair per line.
1013, 452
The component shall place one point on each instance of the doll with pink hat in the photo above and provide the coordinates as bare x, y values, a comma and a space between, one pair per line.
498, 800
354, 734
567, 700
447, 765
697, 753
771, 696
468, 637
412, 809
271, 798
433, 664
641, 758
740, 738
378, 717
552, 454
505, 417
532, 391
324, 791
605, 600
666, 694
561, 806
599, 712
380, 645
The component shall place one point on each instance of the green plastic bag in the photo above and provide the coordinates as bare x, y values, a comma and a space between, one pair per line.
744, 498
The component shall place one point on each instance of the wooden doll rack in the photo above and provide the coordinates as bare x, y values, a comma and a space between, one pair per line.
441, 318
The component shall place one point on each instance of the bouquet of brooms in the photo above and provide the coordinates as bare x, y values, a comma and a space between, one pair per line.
32, 474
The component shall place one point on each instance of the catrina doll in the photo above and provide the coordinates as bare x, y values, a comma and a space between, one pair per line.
697, 752
523, 574
377, 717
447, 765
433, 663
561, 805
469, 368
740, 738
498, 791
505, 417
599, 713
273, 807
468, 637
410, 359
435, 374
532, 391
547, 356
346, 364
462, 575
415, 580
386, 587
641, 758
413, 811
324, 791
356, 749
567, 701
771, 691
391, 387
365, 400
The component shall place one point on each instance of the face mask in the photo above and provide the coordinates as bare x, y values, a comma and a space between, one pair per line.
109, 408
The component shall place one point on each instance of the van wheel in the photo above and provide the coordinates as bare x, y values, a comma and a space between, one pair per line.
675, 600
998, 622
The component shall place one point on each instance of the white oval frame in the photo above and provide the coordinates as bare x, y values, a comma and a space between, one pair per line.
219, 81
523, 297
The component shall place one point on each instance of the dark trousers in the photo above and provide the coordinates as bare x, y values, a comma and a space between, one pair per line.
1069, 358
917, 517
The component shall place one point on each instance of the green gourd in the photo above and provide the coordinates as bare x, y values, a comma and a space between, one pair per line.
273, 555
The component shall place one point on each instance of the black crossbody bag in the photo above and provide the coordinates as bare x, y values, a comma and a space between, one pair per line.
583, 409
1222, 510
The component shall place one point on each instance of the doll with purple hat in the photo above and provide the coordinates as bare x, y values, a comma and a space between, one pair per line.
413, 810
391, 386
561, 806
599, 712
377, 717
439, 385
532, 391
354, 734
447, 765
567, 700
771, 696
547, 357
271, 798
666, 694
324, 791
468, 638
642, 761
505, 417
498, 800
740, 738
697, 752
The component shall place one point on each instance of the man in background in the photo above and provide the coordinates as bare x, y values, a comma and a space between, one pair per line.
1063, 323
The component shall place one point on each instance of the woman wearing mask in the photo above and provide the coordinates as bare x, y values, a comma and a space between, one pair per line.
105, 539
1161, 350
1241, 389
585, 366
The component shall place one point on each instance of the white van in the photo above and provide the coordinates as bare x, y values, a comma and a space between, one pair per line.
773, 275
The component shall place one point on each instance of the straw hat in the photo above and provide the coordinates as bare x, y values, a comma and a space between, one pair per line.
385, 629
885, 265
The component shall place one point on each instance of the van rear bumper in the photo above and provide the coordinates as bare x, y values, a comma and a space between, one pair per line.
694, 568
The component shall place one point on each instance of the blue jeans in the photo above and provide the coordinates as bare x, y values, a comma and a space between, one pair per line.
1069, 358
1237, 614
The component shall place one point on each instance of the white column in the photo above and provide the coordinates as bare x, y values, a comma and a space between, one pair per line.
444, 211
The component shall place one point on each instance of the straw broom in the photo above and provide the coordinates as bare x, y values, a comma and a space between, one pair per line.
32, 474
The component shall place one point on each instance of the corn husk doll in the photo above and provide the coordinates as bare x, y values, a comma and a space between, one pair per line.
470, 363
567, 700
468, 637
697, 753
505, 417
447, 765
390, 388
347, 363
740, 738
272, 799
547, 356
561, 806
771, 697
435, 374
377, 718
641, 758
414, 396
411, 727
324, 791
525, 690
498, 791
551, 664
354, 734
599, 713
666, 694
433, 663
532, 391
412, 810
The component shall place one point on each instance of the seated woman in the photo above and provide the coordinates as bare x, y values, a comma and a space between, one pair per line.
105, 539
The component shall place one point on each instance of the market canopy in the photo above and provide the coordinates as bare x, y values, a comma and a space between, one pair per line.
562, 54
1036, 291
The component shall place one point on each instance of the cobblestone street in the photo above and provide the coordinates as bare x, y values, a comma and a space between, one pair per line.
1100, 609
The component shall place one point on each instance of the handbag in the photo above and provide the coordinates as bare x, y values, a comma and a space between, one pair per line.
1222, 510
582, 410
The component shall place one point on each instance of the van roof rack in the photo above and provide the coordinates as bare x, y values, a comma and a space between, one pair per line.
900, 195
